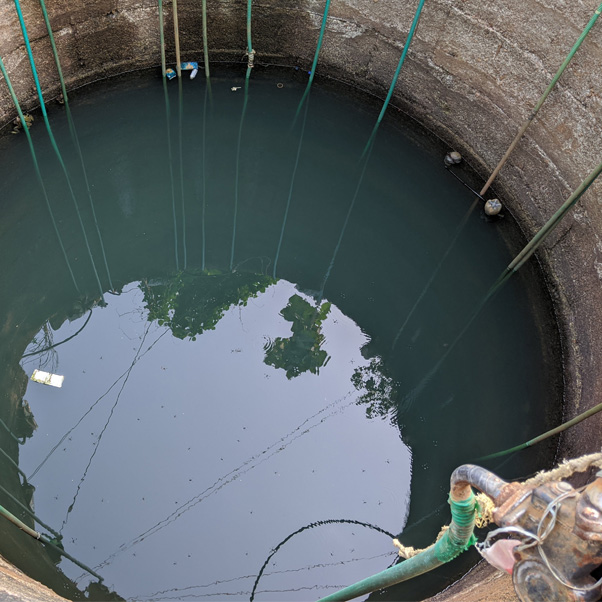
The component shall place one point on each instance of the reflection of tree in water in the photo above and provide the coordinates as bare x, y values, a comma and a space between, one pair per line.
300, 352
379, 396
194, 301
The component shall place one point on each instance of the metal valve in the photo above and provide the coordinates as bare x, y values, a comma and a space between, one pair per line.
560, 530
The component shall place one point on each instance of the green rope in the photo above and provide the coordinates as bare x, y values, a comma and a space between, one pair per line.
315, 61
75, 137
52, 139
168, 127
37, 170
396, 76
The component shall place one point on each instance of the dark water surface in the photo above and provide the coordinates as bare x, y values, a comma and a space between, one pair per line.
216, 404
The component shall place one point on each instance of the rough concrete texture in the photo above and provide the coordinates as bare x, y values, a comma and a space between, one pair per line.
474, 72
18, 587
480, 585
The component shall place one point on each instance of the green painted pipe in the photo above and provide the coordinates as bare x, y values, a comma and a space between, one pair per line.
547, 228
547, 434
534, 112
176, 32
249, 43
454, 541
46, 541
162, 38
205, 44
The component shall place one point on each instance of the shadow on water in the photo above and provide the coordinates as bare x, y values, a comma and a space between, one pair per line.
209, 413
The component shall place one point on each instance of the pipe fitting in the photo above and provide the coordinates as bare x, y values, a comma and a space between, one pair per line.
452, 158
493, 207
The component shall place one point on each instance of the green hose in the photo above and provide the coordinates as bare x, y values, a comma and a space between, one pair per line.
455, 540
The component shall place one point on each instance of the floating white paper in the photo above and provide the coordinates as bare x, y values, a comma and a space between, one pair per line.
46, 378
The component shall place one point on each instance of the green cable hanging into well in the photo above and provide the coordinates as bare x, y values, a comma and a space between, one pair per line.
181, 165
168, 127
499, 166
53, 141
75, 137
511, 269
36, 167
402, 59
315, 61
540, 102
250, 64
204, 141
366, 153
304, 98
176, 30
205, 43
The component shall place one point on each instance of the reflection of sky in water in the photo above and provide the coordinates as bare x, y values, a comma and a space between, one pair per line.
209, 457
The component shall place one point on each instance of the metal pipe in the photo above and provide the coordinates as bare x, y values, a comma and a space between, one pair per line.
45, 540
30, 512
469, 475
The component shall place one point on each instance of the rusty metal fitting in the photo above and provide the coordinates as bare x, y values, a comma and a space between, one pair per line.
588, 513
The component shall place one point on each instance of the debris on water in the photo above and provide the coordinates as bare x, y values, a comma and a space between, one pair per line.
234, 88
47, 378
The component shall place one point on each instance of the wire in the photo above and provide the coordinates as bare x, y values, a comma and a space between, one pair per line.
60, 342
305, 528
